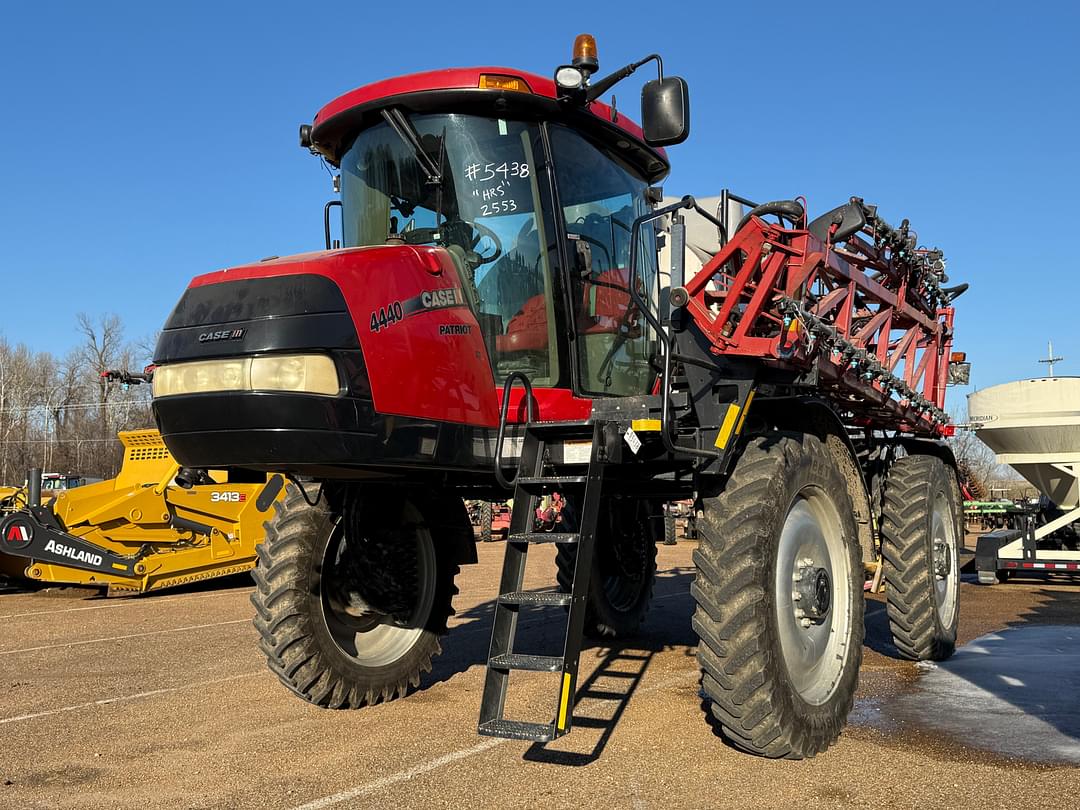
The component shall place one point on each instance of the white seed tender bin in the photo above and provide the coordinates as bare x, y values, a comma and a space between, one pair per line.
1034, 427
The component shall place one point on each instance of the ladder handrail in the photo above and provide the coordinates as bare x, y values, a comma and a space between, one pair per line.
666, 338
530, 417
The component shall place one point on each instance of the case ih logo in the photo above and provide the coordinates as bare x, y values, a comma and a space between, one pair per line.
18, 535
224, 334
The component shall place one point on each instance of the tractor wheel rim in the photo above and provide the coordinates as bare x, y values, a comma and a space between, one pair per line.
377, 639
944, 562
813, 565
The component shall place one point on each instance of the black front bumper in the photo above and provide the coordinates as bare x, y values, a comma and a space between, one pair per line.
325, 437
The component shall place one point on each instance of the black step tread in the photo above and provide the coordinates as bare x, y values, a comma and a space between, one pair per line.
550, 480
517, 730
532, 663
535, 598
544, 537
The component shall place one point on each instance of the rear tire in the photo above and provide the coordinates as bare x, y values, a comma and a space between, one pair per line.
624, 569
920, 546
317, 648
780, 683
671, 529
486, 515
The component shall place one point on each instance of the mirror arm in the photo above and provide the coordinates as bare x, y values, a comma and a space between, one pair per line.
612, 79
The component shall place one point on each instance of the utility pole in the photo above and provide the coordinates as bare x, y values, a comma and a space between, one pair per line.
1050, 359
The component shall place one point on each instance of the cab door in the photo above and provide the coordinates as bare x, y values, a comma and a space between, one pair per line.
599, 197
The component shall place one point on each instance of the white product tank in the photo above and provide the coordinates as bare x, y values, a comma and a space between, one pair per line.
1034, 426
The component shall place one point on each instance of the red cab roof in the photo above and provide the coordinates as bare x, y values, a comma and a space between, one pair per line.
336, 115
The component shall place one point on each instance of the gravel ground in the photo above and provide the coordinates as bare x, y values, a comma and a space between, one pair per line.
165, 702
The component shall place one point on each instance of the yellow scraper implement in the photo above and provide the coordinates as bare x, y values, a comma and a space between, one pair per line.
173, 535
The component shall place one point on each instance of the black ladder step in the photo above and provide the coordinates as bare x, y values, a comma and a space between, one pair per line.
550, 480
517, 730
535, 598
544, 537
532, 663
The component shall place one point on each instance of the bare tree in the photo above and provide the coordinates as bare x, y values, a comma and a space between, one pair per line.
977, 462
103, 349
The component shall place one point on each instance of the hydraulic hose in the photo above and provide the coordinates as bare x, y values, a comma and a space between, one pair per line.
789, 209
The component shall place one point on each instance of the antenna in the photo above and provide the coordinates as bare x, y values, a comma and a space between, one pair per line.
1050, 359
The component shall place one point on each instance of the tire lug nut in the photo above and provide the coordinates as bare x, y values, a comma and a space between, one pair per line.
805, 622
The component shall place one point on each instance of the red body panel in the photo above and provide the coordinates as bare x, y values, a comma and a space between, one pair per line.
429, 361
460, 79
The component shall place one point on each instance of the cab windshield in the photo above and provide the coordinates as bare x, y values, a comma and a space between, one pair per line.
466, 183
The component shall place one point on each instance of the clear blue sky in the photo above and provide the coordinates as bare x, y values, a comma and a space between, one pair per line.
144, 143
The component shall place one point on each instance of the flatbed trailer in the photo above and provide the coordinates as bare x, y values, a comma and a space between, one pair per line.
497, 323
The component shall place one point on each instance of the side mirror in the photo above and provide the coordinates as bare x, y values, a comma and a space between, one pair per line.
665, 111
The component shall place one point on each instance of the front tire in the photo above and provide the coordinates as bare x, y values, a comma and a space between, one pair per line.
920, 546
779, 678
350, 607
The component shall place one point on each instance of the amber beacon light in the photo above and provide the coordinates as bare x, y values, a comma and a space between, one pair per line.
585, 57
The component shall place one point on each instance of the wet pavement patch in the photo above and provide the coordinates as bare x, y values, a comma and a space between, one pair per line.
1015, 692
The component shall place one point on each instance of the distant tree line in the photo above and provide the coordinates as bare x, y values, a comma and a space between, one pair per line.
60, 413
979, 467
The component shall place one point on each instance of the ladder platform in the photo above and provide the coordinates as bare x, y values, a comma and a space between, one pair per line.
550, 480
529, 663
544, 537
517, 730
562, 429
535, 598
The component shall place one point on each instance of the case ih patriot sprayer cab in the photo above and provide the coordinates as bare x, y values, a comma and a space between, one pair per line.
497, 304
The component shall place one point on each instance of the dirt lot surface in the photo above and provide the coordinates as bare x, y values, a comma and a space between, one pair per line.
165, 702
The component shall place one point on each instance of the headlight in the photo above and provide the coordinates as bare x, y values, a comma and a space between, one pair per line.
197, 378
304, 373
311, 373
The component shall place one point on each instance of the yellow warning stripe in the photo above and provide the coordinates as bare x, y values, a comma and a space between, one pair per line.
733, 422
745, 410
728, 426
564, 701
645, 425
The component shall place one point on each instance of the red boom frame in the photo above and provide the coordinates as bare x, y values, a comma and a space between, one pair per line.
859, 314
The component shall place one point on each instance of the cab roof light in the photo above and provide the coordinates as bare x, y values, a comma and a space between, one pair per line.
958, 357
498, 81
585, 57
